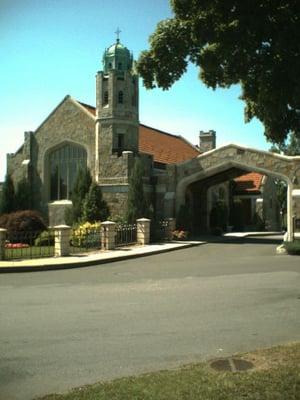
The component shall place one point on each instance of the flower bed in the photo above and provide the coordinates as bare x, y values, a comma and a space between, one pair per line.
16, 245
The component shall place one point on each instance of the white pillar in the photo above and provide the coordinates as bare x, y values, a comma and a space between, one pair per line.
62, 235
143, 231
108, 235
290, 228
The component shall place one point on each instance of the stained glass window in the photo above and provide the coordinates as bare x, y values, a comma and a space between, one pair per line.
64, 164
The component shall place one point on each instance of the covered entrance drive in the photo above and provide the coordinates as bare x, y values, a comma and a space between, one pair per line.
203, 197
192, 180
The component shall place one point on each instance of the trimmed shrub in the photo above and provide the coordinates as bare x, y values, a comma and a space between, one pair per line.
46, 238
137, 206
86, 235
94, 207
81, 187
3, 220
7, 196
23, 226
293, 248
23, 196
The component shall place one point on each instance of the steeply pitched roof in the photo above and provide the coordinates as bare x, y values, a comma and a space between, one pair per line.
249, 183
165, 147
91, 109
171, 149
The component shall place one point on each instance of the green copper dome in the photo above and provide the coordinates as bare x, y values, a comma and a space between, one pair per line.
117, 57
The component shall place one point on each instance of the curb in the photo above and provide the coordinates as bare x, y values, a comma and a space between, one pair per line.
88, 263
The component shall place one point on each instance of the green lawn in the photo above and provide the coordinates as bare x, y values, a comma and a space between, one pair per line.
276, 376
29, 252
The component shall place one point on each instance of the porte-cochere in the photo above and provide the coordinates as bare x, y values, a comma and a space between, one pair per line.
224, 163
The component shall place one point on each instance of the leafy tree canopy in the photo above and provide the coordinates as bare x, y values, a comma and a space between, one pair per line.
252, 43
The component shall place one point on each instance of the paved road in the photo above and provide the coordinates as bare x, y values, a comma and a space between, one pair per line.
62, 329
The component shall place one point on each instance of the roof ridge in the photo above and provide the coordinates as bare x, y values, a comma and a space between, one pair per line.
85, 104
160, 131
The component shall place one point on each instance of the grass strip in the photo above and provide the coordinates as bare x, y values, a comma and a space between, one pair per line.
275, 376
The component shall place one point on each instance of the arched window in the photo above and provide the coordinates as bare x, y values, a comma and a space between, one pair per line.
110, 65
120, 97
120, 66
64, 164
105, 100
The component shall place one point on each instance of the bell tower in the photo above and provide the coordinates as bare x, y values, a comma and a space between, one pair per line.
117, 111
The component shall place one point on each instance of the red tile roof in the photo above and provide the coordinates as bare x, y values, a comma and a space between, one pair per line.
165, 148
170, 149
249, 183
91, 109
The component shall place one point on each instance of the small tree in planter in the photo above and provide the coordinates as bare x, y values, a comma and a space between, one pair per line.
7, 200
137, 206
23, 196
94, 207
81, 187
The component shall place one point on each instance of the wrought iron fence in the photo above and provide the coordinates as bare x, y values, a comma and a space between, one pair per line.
29, 244
126, 234
84, 240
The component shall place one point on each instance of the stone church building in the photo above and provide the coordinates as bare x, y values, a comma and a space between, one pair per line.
108, 138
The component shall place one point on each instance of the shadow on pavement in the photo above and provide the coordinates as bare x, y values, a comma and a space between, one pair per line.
239, 240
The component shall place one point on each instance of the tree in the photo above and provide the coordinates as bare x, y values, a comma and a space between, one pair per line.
23, 196
252, 43
7, 203
137, 206
81, 187
94, 207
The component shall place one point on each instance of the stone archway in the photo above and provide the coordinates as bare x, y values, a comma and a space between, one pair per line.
233, 156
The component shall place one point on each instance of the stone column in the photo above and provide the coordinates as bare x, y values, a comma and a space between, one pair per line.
108, 235
62, 235
2, 243
143, 231
296, 212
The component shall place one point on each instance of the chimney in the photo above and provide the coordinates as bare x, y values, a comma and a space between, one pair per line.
207, 141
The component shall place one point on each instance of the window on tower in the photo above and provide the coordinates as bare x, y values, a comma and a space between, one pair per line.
105, 99
120, 97
120, 66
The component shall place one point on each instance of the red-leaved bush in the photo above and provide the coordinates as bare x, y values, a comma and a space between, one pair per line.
22, 226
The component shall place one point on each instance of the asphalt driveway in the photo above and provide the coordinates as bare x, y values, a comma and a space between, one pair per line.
60, 329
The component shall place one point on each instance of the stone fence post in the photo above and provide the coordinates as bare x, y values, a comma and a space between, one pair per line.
170, 228
108, 235
62, 235
143, 231
2, 243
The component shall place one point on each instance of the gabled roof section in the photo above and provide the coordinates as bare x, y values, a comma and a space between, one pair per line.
248, 183
89, 108
66, 98
165, 148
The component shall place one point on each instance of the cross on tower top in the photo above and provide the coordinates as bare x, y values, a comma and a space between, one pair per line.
118, 31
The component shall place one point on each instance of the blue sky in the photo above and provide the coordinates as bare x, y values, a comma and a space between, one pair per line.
51, 48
